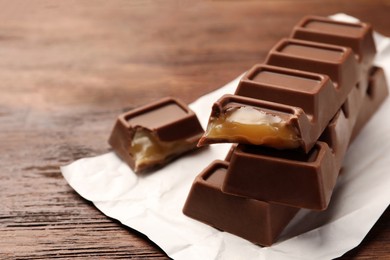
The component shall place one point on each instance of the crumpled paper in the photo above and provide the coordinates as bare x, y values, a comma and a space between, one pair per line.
152, 204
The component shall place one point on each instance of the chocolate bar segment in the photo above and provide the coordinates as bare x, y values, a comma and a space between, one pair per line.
287, 177
257, 221
150, 136
253, 121
309, 91
312, 92
357, 36
376, 93
293, 178
338, 62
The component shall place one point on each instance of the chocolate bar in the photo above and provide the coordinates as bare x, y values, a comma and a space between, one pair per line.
257, 221
152, 135
292, 177
296, 108
297, 116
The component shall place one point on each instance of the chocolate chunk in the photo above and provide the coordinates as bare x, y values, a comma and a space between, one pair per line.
288, 177
338, 62
151, 136
357, 36
253, 121
254, 220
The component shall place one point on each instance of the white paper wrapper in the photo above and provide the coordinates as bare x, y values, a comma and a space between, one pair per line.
153, 204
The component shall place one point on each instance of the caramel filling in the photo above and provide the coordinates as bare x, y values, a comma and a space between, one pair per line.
249, 125
148, 150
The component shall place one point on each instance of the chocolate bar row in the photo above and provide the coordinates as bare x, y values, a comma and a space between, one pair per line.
259, 221
308, 101
268, 115
299, 89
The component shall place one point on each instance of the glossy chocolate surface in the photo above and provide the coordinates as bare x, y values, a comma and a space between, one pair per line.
311, 92
338, 62
357, 36
152, 135
257, 221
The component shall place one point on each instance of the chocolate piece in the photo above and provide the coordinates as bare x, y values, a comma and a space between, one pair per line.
152, 135
257, 221
312, 92
288, 177
253, 121
338, 62
376, 90
357, 36
230, 152
291, 177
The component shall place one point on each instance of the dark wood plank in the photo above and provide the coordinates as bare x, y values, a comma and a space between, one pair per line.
68, 68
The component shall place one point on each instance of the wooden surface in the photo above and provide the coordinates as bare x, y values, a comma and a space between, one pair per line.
68, 68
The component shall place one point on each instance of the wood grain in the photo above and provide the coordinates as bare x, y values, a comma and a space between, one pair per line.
68, 68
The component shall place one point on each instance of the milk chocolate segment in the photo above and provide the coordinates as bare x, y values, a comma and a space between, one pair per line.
338, 62
293, 178
313, 93
257, 221
252, 121
357, 36
377, 92
152, 135
288, 177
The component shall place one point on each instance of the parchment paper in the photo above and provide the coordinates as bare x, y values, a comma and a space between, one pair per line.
153, 204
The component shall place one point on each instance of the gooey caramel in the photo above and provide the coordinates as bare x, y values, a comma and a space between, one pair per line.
249, 125
147, 149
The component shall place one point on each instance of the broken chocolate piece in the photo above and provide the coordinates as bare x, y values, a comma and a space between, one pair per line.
311, 92
238, 119
152, 135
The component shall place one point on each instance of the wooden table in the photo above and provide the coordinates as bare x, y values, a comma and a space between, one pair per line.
68, 68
